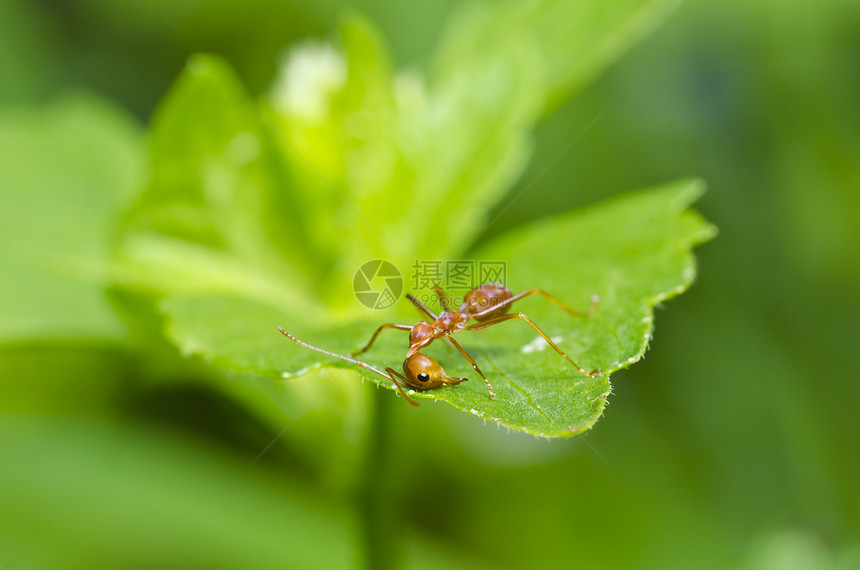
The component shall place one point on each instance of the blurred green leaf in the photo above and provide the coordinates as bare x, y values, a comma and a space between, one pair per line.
792, 549
70, 378
205, 221
66, 173
112, 495
376, 156
351, 163
573, 39
632, 252
402, 166
28, 48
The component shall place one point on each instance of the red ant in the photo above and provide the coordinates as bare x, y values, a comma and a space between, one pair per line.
487, 304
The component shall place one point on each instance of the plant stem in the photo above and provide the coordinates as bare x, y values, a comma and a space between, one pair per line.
374, 497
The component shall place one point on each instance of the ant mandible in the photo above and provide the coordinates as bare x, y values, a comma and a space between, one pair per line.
487, 304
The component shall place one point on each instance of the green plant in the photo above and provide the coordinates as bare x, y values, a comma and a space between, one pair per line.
250, 213
258, 214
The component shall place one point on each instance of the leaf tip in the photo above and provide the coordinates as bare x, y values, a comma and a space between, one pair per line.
198, 64
689, 190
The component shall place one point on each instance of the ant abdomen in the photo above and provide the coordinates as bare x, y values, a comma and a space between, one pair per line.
489, 295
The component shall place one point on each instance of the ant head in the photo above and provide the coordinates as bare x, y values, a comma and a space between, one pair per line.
424, 373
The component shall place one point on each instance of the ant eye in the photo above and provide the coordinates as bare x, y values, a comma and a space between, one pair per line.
424, 377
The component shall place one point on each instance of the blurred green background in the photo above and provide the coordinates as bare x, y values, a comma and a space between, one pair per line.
733, 445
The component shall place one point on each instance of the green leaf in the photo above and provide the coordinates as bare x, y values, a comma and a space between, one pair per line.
632, 252
66, 173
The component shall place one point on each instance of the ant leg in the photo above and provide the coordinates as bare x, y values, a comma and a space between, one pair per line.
443, 300
376, 334
594, 300
443, 297
394, 375
472, 362
507, 302
422, 307
391, 375
522, 316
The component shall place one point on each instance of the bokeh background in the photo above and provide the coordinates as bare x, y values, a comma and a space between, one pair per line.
734, 444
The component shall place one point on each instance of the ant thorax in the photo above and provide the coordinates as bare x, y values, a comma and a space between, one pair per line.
420, 333
449, 320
